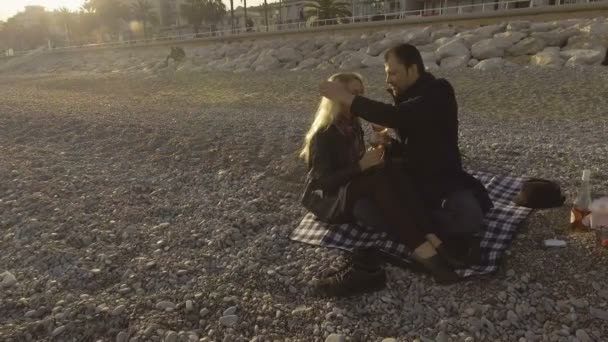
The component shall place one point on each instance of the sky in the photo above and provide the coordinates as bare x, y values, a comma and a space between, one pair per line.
8, 8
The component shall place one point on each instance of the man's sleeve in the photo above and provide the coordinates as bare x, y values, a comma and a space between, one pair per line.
416, 111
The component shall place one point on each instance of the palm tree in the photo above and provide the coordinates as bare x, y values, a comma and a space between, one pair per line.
109, 12
232, 15
328, 9
214, 13
66, 19
142, 11
245, 9
197, 12
194, 12
266, 15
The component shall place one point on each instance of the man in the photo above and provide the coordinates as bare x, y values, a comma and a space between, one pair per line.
425, 117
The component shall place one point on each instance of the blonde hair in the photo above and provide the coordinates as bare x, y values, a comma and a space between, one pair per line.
327, 112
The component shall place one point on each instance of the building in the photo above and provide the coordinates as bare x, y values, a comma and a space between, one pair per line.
31, 17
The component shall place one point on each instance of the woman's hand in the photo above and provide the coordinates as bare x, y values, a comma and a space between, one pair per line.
372, 158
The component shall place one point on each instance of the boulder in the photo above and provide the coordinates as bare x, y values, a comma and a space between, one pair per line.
518, 25
512, 36
490, 48
583, 57
431, 67
429, 57
489, 31
542, 27
473, 62
352, 44
376, 48
584, 42
469, 39
307, 64
550, 56
454, 62
443, 33
266, 62
353, 61
558, 37
599, 29
324, 66
370, 61
288, 54
490, 64
419, 36
528, 46
451, 49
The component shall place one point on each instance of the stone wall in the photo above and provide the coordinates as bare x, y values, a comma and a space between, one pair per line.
569, 42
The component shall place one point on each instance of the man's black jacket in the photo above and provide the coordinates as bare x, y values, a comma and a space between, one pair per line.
426, 120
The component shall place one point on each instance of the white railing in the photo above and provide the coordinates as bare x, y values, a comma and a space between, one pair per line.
297, 26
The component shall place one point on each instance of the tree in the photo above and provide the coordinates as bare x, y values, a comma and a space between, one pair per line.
328, 9
194, 12
216, 11
232, 15
110, 13
246, 19
65, 18
197, 12
142, 12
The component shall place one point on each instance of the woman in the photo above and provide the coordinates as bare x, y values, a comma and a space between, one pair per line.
342, 173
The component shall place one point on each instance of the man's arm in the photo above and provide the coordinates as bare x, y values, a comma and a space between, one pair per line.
416, 111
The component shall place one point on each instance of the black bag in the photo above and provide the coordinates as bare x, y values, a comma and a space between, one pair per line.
539, 193
321, 204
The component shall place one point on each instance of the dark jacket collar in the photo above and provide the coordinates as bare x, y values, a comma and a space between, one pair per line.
416, 89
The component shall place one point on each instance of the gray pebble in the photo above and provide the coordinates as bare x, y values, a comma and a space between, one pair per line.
171, 336
335, 338
229, 321
122, 337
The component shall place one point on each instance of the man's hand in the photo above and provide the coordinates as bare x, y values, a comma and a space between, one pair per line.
372, 158
335, 91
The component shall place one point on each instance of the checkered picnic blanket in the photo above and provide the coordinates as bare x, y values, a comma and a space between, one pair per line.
501, 223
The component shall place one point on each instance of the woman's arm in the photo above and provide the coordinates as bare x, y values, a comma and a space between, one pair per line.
325, 176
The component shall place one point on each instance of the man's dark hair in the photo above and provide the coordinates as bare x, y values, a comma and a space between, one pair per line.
407, 55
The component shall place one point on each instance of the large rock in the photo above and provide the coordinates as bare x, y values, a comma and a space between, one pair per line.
512, 36
353, 61
489, 30
528, 46
583, 57
490, 48
451, 49
584, 42
599, 29
490, 64
370, 62
542, 27
454, 62
340, 58
429, 57
325, 66
353, 44
307, 64
431, 67
550, 56
287, 54
518, 25
443, 33
376, 48
266, 62
469, 38
419, 36
558, 37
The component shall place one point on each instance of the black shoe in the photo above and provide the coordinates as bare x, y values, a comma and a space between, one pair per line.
439, 270
352, 281
455, 261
